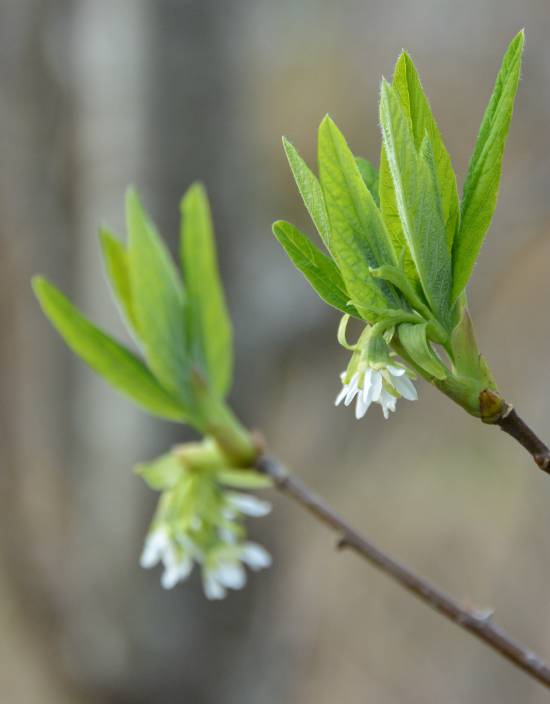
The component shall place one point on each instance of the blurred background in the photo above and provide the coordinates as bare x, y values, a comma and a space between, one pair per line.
95, 94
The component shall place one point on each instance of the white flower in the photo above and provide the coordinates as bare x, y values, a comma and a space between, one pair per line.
247, 504
228, 573
383, 386
178, 563
156, 543
222, 569
255, 556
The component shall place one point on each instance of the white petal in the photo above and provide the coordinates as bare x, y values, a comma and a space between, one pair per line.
387, 401
170, 578
231, 575
248, 504
255, 556
155, 545
405, 387
176, 573
367, 383
376, 385
362, 405
341, 396
212, 588
353, 388
395, 371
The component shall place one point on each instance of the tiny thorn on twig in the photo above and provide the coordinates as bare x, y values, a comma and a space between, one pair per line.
484, 615
342, 543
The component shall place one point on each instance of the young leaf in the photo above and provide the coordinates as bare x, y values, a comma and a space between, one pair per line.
243, 479
483, 178
321, 272
115, 259
413, 338
310, 190
111, 360
358, 237
416, 106
392, 221
418, 203
162, 473
369, 174
158, 301
210, 324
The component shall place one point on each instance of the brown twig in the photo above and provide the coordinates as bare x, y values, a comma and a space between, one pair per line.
512, 424
478, 623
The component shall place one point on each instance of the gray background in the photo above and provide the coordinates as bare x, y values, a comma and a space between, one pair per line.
95, 94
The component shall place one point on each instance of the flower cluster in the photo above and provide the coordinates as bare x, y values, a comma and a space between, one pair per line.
373, 374
383, 386
200, 519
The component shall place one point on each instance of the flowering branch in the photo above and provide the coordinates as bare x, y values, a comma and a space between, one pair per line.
477, 622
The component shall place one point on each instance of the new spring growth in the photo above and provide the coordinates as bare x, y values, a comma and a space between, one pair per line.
400, 243
373, 374
200, 518
180, 369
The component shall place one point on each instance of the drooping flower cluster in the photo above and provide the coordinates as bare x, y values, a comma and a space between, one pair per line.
383, 386
200, 520
373, 374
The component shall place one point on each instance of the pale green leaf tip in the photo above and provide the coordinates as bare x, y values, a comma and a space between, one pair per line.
38, 283
402, 59
132, 196
327, 122
196, 191
106, 237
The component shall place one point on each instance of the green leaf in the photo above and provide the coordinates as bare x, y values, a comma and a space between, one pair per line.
162, 473
115, 259
310, 190
482, 181
392, 221
369, 174
115, 363
158, 301
358, 237
418, 202
404, 285
210, 325
321, 272
243, 479
416, 106
413, 338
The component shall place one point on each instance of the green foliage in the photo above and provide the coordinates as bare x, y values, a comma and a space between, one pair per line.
406, 83
243, 479
115, 363
117, 269
321, 272
358, 239
185, 334
209, 324
159, 301
483, 178
414, 340
402, 243
310, 190
369, 174
418, 203
162, 473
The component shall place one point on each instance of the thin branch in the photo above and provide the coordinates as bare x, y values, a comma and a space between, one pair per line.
512, 424
476, 622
